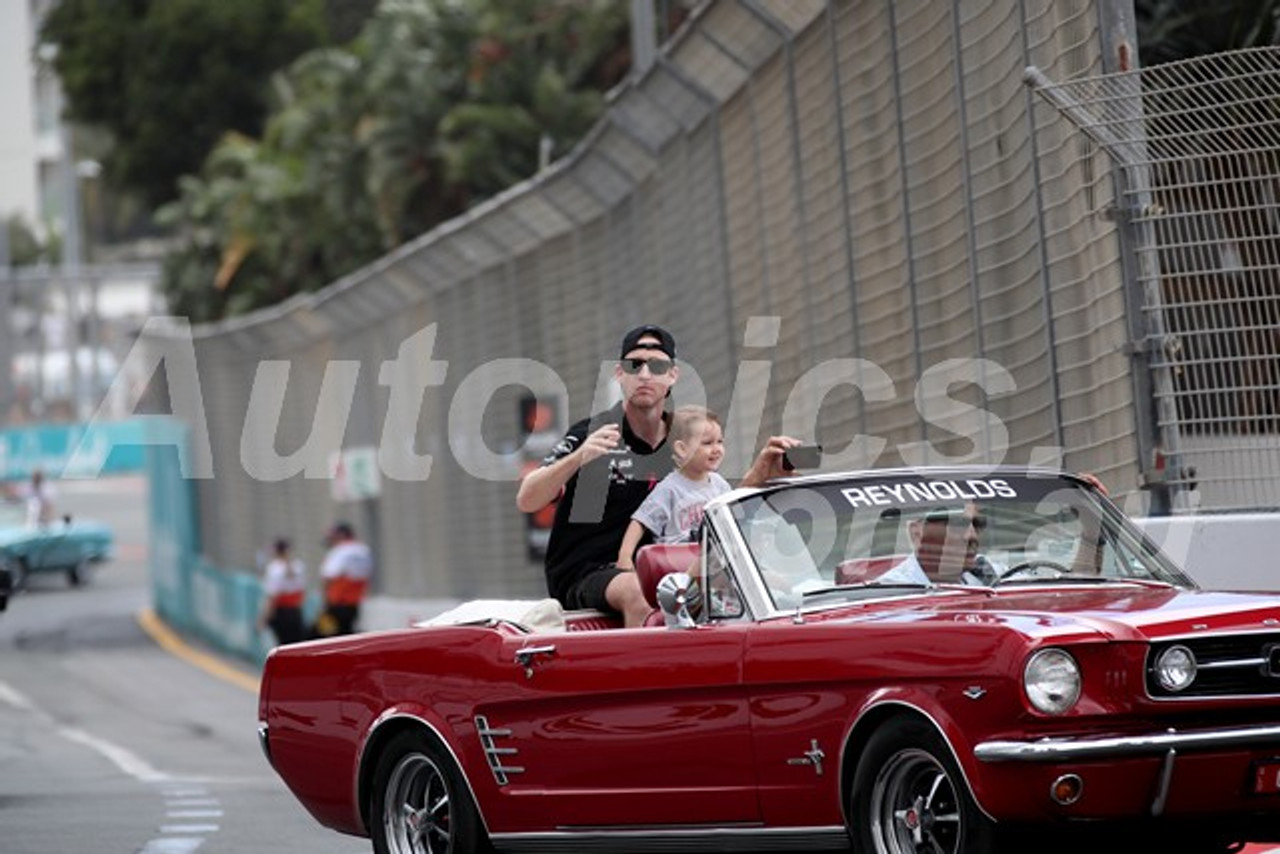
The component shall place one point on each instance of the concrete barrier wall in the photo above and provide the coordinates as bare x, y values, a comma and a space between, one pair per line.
1235, 551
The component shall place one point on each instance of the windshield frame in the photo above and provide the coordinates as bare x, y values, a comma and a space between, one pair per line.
1122, 535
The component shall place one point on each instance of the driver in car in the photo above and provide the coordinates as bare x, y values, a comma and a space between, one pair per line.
945, 550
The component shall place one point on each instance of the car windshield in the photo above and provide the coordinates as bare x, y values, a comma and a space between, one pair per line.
906, 533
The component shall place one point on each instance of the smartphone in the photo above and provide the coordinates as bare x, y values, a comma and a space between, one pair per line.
802, 457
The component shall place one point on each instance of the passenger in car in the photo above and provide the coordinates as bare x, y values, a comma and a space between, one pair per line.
39, 497
672, 512
601, 472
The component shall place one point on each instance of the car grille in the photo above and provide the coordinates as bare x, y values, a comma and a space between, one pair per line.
1233, 665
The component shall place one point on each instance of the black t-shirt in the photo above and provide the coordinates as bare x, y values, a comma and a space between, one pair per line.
598, 500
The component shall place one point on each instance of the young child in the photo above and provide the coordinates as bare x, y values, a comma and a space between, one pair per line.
673, 510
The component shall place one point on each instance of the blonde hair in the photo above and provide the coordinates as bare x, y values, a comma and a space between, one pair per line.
686, 426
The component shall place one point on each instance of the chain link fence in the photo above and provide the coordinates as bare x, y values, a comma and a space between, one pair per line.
64, 333
1198, 145
860, 224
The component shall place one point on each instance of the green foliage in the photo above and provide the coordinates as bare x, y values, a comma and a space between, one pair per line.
24, 246
1169, 30
437, 103
166, 78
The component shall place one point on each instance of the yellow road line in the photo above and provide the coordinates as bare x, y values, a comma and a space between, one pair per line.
169, 640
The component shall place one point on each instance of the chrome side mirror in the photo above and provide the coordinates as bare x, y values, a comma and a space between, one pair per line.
676, 593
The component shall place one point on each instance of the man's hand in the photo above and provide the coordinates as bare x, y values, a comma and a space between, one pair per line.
599, 443
768, 464
543, 485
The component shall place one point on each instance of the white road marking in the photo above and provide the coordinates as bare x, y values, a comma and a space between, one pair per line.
193, 792
188, 828
173, 845
128, 762
11, 697
182, 796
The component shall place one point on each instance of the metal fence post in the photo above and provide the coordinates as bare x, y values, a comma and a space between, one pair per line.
1155, 417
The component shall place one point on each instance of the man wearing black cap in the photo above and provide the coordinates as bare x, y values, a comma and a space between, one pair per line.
602, 470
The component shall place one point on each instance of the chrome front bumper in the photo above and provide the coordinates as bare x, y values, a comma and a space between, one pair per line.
262, 741
1065, 749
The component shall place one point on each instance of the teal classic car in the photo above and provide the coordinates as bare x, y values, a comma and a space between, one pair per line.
66, 545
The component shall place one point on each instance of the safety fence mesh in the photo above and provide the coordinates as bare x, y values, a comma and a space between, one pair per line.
860, 224
1199, 144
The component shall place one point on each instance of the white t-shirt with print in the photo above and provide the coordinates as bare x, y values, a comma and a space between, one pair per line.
673, 510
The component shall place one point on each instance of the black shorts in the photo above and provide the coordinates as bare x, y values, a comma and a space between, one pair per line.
588, 590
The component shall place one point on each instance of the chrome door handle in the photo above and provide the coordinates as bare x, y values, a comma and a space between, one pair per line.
526, 654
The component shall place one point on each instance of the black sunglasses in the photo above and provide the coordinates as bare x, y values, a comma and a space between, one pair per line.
657, 367
958, 520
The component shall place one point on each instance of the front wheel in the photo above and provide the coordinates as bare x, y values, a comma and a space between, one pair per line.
420, 803
80, 574
908, 796
20, 572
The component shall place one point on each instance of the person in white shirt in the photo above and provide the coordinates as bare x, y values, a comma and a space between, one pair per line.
672, 512
945, 544
284, 588
345, 572
39, 501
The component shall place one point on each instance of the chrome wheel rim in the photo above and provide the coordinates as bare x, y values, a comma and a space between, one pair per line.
914, 807
416, 811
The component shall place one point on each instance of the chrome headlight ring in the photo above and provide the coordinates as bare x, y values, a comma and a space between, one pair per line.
1052, 681
1175, 668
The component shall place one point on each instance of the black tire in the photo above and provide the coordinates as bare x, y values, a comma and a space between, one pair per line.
80, 573
20, 571
908, 796
420, 803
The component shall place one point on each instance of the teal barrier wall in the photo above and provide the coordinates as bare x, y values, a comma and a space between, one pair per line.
74, 450
217, 606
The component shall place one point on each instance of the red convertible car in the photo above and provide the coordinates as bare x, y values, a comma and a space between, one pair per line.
918, 660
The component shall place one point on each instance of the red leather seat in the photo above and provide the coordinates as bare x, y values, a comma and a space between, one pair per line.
656, 562
590, 621
860, 569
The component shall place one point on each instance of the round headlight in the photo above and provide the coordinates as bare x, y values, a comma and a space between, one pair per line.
1052, 681
1175, 668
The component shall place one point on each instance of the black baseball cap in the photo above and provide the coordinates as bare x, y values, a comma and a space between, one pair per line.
666, 341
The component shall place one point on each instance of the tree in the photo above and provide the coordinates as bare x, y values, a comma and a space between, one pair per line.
1169, 30
167, 78
23, 244
437, 104
537, 69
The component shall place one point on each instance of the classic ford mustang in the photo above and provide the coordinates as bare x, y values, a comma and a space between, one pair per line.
917, 660
69, 546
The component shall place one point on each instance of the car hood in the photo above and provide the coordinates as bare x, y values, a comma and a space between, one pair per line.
1116, 611
21, 534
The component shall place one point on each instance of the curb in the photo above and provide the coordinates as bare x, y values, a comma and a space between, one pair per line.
172, 642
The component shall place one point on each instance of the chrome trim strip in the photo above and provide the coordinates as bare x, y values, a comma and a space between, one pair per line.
493, 754
1062, 749
262, 741
1213, 698
1238, 662
681, 840
1166, 777
758, 604
1220, 634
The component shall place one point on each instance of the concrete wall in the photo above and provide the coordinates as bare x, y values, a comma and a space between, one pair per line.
1239, 551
